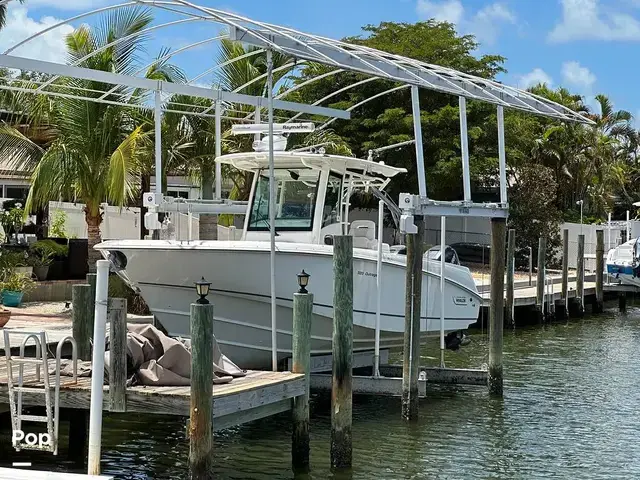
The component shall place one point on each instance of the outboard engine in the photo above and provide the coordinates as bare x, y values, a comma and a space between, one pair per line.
455, 340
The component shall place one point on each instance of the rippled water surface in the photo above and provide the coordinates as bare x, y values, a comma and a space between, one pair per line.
569, 411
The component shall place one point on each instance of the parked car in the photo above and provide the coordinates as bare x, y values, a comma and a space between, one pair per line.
450, 255
480, 254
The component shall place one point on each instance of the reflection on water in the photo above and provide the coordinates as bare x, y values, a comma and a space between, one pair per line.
568, 412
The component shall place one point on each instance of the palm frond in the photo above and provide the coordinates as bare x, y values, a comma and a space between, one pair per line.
19, 152
124, 169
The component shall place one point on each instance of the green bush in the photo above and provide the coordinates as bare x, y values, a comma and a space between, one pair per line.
58, 223
135, 303
17, 282
50, 247
10, 259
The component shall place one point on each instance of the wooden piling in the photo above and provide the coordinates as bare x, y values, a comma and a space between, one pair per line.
78, 429
302, 313
511, 250
542, 252
563, 311
411, 349
598, 304
341, 391
82, 319
92, 279
201, 419
496, 309
580, 277
622, 302
117, 317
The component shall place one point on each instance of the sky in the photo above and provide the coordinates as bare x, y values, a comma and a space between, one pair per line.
588, 46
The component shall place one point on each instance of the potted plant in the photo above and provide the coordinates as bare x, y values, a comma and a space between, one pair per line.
12, 220
40, 257
14, 261
14, 286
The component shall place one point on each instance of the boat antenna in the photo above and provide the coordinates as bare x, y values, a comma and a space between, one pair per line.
376, 151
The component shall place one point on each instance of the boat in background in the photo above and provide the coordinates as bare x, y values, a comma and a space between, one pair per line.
623, 263
312, 205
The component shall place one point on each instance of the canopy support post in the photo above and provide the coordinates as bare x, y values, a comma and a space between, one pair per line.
272, 214
218, 150
464, 149
417, 131
157, 116
502, 156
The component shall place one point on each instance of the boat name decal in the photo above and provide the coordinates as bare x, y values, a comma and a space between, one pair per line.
367, 274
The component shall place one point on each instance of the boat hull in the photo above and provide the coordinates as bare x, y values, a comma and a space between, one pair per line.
165, 272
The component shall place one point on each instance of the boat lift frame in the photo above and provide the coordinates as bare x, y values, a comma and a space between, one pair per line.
303, 48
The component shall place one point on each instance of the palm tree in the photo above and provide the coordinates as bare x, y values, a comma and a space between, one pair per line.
95, 156
3, 14
249, 72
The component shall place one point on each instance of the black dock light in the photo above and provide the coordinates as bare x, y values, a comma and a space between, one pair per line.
202, 288
303, 281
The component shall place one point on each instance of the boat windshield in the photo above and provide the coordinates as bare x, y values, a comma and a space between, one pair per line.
295, 200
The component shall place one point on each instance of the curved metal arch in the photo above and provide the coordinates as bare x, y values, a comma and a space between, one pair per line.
348, 49
367, 100
300, 85
224, 64
264, 75
64, 22
309, 81
214, 18
225, 18
167, 57
118, 41
337, 92
358, 58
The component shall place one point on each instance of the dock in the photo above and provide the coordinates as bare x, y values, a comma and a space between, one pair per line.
526, 296
257, 395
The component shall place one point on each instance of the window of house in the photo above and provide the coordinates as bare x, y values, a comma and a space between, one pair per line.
16, 191
177, 194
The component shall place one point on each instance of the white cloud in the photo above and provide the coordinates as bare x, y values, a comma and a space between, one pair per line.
448, 11
533, 78
49, 46
584, 19
578, 76
484, 24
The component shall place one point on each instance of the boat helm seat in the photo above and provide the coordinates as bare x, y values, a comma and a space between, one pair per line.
363, 233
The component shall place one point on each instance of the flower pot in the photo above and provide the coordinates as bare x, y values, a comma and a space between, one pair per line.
28, 271
4, 317
11, 299
41, 272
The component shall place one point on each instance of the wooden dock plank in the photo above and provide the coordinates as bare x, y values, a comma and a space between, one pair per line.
235, 400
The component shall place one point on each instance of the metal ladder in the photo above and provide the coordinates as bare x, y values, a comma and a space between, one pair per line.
15, 404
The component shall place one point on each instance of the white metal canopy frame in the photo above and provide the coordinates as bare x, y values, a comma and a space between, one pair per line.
301, 49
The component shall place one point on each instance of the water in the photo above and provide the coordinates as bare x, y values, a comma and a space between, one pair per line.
569, 411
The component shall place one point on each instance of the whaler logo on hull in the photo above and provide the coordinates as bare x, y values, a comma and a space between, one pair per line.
460, 300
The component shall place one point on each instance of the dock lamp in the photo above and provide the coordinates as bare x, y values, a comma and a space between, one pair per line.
303, 281
202, 289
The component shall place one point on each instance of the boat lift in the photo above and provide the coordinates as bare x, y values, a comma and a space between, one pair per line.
302, 48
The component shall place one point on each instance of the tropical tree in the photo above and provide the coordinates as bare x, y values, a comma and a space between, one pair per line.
95, 155
3, 14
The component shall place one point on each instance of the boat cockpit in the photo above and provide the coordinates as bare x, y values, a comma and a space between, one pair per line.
312, 196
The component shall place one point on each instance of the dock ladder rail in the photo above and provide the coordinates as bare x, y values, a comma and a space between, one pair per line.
40, 386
